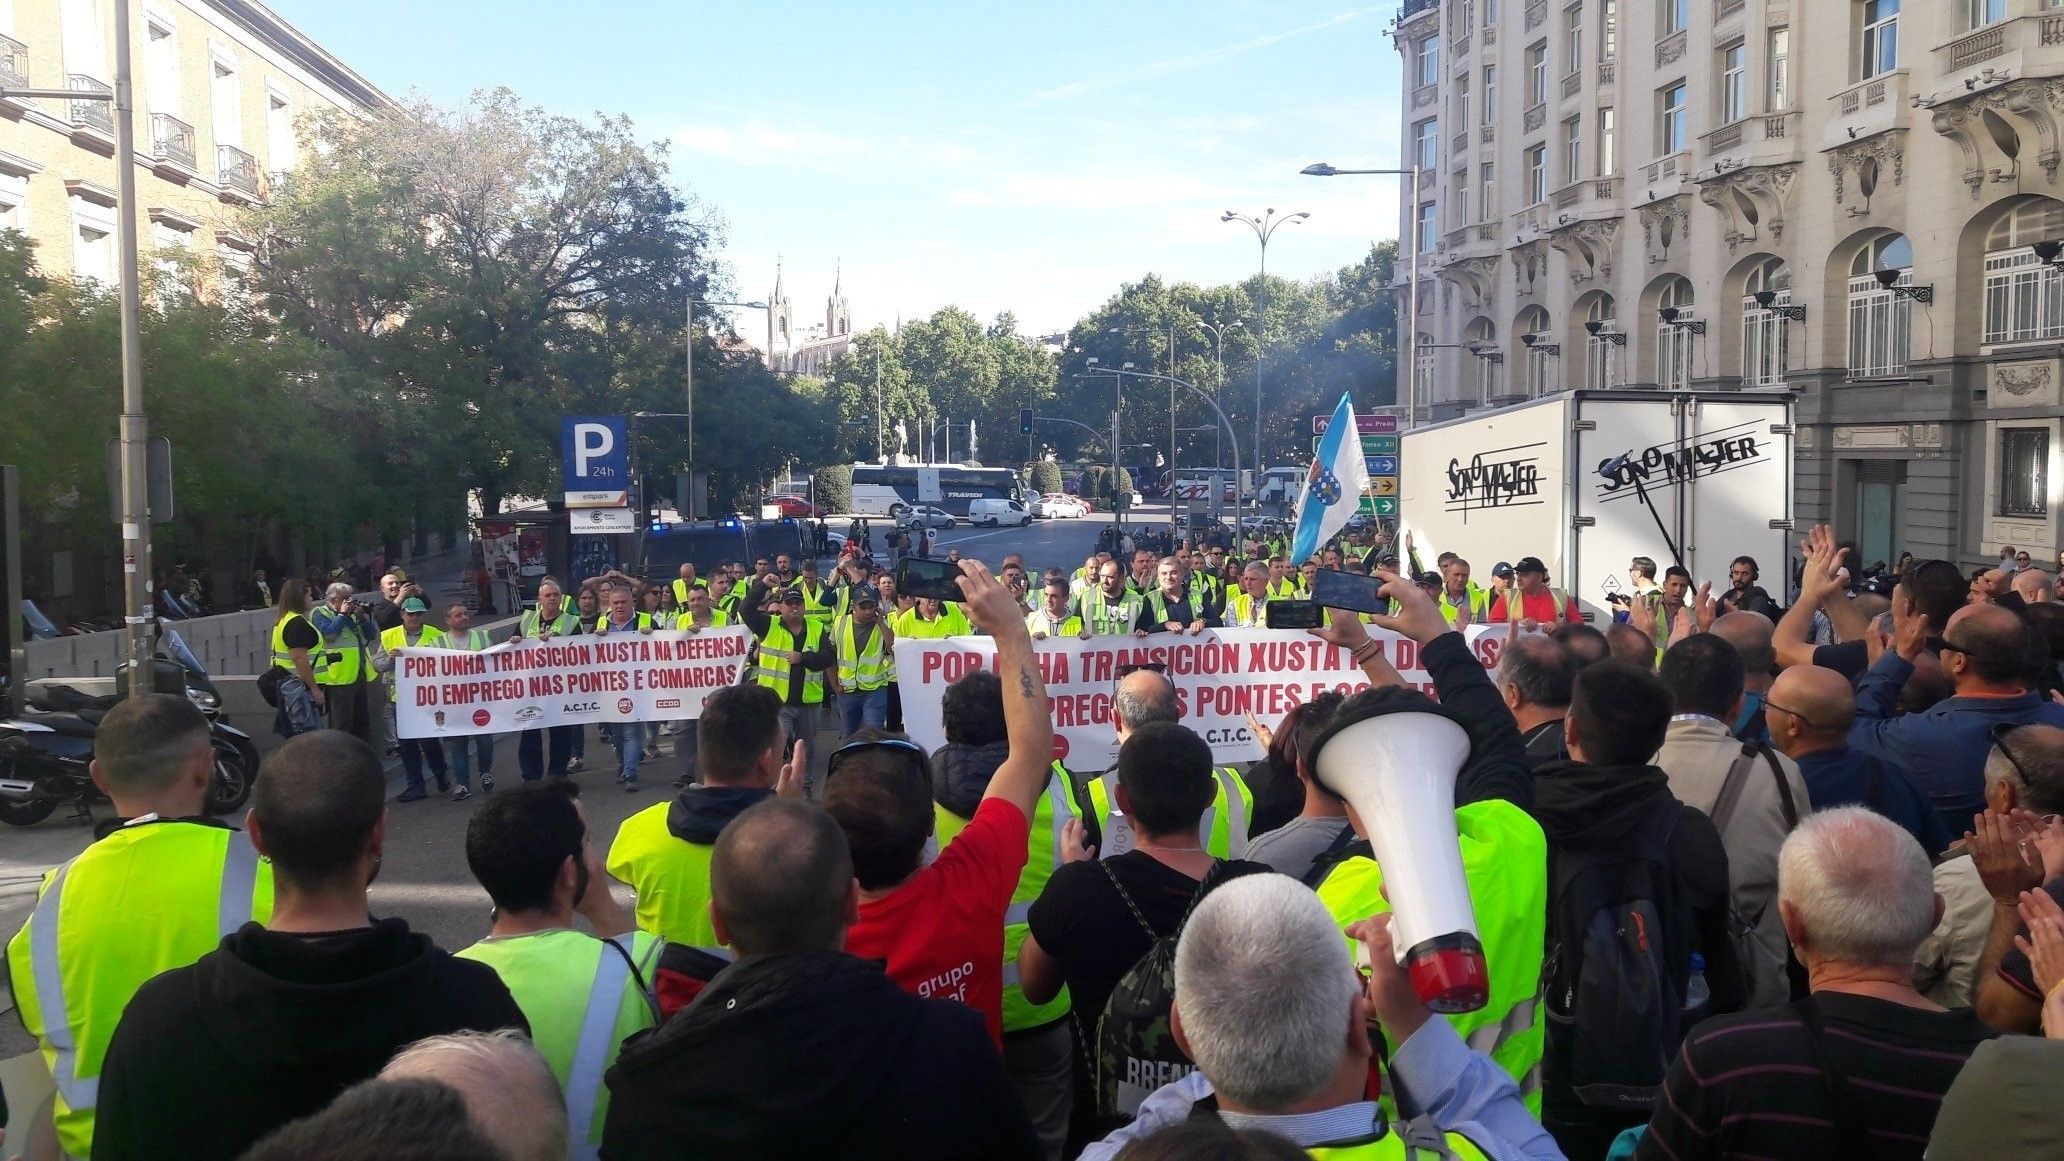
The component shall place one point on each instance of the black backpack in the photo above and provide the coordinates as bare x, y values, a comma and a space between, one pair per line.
1134, 1051
1619, 946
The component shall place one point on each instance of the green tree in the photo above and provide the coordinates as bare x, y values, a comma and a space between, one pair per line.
1046, 477
835, 487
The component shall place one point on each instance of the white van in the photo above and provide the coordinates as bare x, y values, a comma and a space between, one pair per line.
996, 513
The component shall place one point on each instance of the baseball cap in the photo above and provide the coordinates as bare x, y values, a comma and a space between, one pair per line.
1530, 564
792, 597
1501, 569
414, 605
1429, 580
867, 601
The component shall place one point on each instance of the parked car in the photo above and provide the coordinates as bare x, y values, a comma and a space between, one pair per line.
924, 516
997, 513
794, 506
1059, 505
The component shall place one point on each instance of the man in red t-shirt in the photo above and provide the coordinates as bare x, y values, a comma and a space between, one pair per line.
939, 928
1537, 602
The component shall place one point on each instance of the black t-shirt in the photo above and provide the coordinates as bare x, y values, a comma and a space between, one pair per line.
300, 634
1080, 920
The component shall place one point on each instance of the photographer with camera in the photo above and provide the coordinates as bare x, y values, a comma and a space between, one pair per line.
342, 665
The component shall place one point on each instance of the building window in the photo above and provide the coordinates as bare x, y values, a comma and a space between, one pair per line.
1572, 150
1673, 343
2024, 296
1601, 353
1979, 13
1880, 37
279, 132
1429, 226
14, 201
1429, 61
2024, 479
1765, 341
1461, 202
93, 242
1487, 191
1880, 322
1673, 16
85, 49
226, 103
1573, 39
1458, 110
1672, 130
1779, 69
1465, 18
1490, 94
1483, 335
1422, 362
1537, 74
1534, 378
1426, 143
1606, 160
161, 69
1608, 29
1734, 83
171, 254
236, 273
1537, 174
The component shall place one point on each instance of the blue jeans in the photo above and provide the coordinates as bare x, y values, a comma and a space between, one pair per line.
458, 753
630, 749
414, 752
867, 708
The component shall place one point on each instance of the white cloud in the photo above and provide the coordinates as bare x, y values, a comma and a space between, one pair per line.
1154, 70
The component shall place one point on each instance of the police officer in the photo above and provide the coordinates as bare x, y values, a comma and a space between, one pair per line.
583, 994
549, 619
158, 893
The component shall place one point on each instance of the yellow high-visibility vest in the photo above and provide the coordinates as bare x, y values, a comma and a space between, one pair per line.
773, 669
1225, 821
397, 638
146, 899
670, 875
860, 671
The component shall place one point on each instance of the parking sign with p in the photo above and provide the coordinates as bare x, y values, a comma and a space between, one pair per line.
596, 457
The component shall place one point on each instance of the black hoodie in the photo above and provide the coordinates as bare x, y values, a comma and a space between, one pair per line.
813, 1055
269, 1028
961, 774
699, 813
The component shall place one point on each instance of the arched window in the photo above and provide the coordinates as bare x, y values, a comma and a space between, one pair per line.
1535, 379
1673, 342
2024, 295
1603, 345
1765, 347
1880, 322
1482, 335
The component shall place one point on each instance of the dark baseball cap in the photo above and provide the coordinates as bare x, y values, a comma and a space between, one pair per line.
792, 597
867, 601
1501, 569
1530, 564
1429, 580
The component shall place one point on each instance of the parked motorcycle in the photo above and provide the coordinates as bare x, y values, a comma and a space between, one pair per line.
46, 753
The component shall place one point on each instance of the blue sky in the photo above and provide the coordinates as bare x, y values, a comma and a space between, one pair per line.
999, 157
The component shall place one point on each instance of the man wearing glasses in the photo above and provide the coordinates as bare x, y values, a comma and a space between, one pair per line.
1988, 653
1809, 712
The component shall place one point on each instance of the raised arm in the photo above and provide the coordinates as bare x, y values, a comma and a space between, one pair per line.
1027, 715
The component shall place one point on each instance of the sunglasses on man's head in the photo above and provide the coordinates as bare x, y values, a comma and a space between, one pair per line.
892, 745
1160, 667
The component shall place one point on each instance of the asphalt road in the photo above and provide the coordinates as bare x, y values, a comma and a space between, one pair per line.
424, 877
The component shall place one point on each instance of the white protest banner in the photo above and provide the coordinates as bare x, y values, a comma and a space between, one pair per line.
566, 681
1220, 675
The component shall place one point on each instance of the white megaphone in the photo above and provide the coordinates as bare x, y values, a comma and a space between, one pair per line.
1397, 770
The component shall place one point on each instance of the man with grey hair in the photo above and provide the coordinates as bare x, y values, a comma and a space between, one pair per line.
511, 1096
1144, 695
1535, 677
2024, 781
2035, 586
1247, 608
1268, 1005
343, 665
1858, 1068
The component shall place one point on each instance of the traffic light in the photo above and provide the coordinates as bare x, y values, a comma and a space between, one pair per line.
1024, 421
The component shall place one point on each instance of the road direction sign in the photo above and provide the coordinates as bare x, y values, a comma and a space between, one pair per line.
1366, 424
1380, 445
1385, 505
1383, 465
1383, 485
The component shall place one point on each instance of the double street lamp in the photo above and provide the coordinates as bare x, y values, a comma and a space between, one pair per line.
1264, 228
1321, 169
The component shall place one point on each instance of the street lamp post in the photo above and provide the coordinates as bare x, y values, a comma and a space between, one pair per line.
688, 345
1199, 393
134, 433
1264, 228
1321, 169
1218, 331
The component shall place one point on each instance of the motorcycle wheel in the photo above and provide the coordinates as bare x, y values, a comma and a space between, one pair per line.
236, 767
17, 813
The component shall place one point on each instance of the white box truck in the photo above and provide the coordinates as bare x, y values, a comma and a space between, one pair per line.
1588, 480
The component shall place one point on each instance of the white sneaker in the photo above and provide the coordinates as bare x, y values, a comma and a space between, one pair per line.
575, 765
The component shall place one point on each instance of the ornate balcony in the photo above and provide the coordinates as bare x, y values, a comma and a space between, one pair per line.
236, 172
1762, 139
89, 113
1665, 176
1415, 8
172, 142
2002, 48
14, 63
1867, 108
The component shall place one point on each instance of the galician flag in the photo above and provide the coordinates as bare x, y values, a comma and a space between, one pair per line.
1333, 489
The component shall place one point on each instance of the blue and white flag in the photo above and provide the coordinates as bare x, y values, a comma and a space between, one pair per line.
1333, 489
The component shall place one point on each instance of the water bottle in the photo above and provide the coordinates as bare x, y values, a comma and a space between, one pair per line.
1696, 994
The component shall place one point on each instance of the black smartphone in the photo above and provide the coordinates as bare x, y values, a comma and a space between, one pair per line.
917, 576
1332, 588
1294, 614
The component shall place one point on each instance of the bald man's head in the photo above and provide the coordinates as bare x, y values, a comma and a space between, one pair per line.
1749, 633
2025, 769
1991, 645
1144, 696
2035, 586
781, 879
1809, 708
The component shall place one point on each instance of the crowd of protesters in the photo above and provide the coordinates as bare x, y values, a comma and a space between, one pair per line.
1760, 869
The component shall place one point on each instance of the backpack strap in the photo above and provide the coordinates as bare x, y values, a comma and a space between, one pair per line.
1731, 789
1324, 862
1784, 789
1852, 1139
1137, 917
